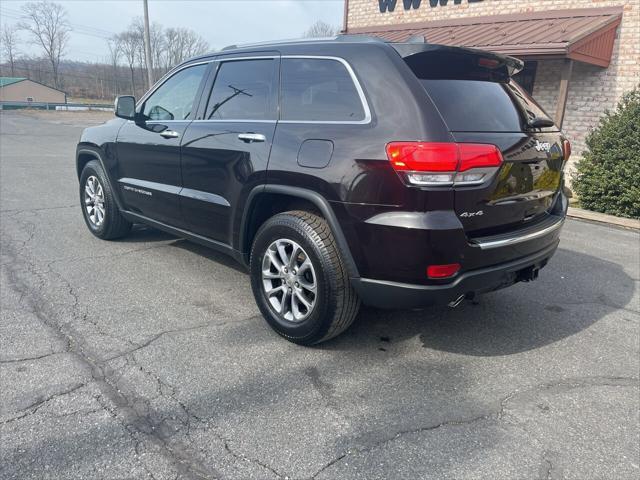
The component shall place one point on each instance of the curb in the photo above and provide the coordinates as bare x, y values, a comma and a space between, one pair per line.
582, 214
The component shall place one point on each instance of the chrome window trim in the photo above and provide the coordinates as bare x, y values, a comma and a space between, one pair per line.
260, 57
363, 100
356, 83
218, 120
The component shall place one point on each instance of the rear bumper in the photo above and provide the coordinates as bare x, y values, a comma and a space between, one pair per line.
394, 295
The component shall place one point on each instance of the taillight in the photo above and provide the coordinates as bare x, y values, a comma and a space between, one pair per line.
443, 271
566, 149
441, 164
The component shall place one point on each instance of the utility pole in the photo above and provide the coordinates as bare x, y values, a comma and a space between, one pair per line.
147, 44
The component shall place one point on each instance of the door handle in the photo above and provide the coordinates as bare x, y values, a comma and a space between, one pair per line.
252, 137
169, 134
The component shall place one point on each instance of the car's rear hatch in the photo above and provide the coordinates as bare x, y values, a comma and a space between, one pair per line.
481, 104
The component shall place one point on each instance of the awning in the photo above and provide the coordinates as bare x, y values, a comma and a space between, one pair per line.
586, 35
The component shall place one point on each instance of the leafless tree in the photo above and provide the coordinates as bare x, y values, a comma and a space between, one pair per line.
129, 42
158, 45
321, 29
115, 51
136, 28
48, 26
169, 47
9, 41
180, 44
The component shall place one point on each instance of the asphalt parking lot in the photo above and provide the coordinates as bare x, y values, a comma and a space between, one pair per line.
146, 358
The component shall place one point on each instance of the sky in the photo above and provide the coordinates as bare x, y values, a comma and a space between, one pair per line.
220, 22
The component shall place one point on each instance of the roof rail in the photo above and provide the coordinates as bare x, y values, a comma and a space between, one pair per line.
342, 37
277, 42
349, 37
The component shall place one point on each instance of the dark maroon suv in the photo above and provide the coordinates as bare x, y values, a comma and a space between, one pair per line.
339, 171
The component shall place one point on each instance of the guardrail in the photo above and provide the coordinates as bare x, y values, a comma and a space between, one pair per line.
55, 106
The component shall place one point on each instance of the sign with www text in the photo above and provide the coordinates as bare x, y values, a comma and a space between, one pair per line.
390, 5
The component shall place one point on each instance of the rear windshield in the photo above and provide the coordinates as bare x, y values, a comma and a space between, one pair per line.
472, 97
474, 105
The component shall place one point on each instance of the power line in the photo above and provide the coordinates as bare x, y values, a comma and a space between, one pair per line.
75, 27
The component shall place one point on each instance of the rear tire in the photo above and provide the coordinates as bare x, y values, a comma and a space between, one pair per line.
315, 301
99, 207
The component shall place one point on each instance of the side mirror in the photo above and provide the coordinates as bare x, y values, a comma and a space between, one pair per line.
126, 107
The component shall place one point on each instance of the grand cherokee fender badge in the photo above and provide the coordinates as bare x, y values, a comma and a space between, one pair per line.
479, 213
137, 190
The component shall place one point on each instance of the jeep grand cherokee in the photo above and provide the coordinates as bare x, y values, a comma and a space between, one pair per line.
339, 171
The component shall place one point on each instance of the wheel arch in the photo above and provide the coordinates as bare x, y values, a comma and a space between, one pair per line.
299, 198
87, 153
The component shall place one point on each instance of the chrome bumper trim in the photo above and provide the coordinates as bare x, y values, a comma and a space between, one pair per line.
490, 243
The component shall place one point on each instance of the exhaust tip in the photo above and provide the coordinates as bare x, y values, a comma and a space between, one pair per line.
456, 302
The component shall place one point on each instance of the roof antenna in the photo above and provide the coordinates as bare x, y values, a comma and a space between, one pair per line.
417, 39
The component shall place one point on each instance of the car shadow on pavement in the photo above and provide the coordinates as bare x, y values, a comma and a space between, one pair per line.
573, 292
142, 233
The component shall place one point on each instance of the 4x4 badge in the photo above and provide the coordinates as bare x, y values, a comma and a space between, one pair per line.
479, 213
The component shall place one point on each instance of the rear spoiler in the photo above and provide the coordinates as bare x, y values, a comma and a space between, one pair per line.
499, 67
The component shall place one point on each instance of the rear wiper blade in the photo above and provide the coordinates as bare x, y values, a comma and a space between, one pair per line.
539, 122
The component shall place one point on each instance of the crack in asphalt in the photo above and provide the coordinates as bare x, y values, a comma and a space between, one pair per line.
496, 414
29, 359
101, 374
548, 468
17, 211
110, 256
35, 406
153, 338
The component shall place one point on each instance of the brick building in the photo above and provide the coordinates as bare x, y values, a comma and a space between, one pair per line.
580, 55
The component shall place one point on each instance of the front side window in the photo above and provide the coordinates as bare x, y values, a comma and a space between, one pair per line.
315, 89
244, 90
175, 98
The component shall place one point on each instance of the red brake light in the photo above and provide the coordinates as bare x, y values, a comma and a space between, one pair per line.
477, 155
443, 271
488, 62
422, 156
434, 163
566, 149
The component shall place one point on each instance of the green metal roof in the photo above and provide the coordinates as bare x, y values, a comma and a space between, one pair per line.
4, 81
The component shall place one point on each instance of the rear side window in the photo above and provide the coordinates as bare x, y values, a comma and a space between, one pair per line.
244, 90
474, 105
319, 90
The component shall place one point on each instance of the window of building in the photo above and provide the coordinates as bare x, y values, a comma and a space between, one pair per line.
174, 99
244, 90
318, 90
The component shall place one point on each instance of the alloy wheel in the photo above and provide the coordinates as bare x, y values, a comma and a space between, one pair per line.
94, 201
289, 280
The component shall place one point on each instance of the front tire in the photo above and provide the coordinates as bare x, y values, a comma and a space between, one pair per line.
299, 280
99, 207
